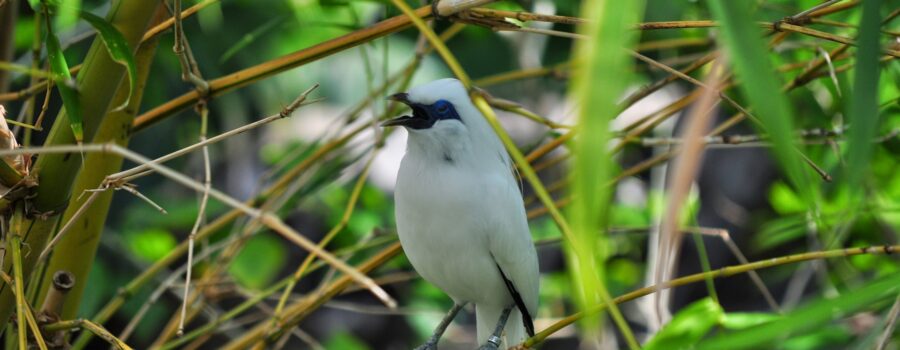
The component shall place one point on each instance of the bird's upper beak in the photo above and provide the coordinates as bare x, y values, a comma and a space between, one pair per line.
404, 120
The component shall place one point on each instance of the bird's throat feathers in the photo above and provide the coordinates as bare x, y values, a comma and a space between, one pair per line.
450, 145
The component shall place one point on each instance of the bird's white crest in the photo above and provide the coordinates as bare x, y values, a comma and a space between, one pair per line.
460, 215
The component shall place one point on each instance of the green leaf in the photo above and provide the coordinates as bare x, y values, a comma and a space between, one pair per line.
688, 326
599, 80
863, 111
742, 320
344, 341
784, 200
118, 49
251, 37
151, 244
748, 55
811, 317
35, 5
259, 262
65, 84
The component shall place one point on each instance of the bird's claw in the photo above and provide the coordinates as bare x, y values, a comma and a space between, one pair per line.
427, 346
493, 343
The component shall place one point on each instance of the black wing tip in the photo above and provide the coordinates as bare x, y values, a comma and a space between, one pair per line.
526, 316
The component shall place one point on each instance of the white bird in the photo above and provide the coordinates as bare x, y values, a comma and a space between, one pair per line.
460, 215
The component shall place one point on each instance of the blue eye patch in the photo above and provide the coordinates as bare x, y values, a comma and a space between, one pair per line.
442, 109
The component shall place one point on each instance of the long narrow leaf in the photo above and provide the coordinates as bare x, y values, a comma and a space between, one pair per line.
65, 84
688, 326
749, 56
117, 47
807, 318
602, 77
864, 99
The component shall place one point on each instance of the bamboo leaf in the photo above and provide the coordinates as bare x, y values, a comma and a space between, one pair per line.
118, 49
748, 55
65, 84
250, 37
807, 318
601, 78
863, 111
688, 326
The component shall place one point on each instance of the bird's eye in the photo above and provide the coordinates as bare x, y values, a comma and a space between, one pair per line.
442, 107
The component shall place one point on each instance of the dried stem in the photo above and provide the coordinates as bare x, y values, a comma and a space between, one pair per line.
94, 328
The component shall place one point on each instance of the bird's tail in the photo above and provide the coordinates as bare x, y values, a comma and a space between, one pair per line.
486, 318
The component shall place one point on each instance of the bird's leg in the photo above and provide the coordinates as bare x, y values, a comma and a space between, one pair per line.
432, 342
493, 342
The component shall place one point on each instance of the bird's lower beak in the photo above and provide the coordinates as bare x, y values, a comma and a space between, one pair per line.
401, 121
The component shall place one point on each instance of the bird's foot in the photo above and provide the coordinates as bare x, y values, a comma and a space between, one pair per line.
429, 345
493, 343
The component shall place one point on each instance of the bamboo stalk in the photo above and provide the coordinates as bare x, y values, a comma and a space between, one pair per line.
56, 173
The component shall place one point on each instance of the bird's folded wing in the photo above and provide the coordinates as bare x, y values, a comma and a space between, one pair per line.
512, 247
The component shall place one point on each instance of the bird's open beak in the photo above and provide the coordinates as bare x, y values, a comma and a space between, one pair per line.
401, 121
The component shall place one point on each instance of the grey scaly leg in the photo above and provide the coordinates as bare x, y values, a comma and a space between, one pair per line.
493, 342
432, 342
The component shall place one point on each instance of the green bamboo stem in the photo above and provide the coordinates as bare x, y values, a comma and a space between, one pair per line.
76, 250
56, 173
15, 245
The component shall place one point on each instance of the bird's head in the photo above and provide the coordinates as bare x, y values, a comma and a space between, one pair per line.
446, 125
441, 104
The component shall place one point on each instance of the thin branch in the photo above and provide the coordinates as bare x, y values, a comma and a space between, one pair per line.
140, 170
220, 86
269, 220
201, 216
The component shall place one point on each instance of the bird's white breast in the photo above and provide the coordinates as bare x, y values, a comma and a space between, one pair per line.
446, 213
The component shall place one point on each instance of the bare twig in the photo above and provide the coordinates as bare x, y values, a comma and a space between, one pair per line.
201, 216
805, 13
141, 170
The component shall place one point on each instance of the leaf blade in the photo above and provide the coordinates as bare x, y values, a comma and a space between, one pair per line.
863, 110
65, 84
748, 56
118, 50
